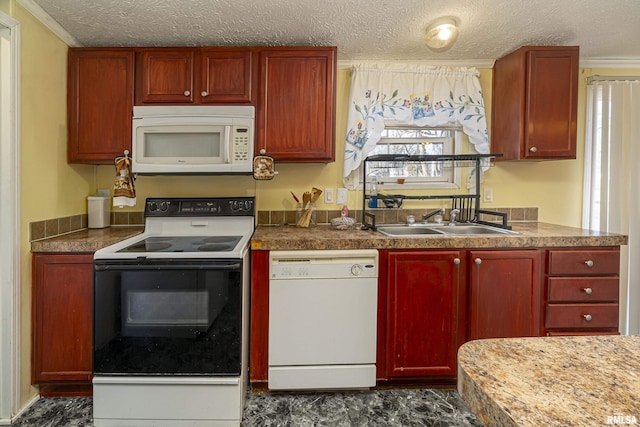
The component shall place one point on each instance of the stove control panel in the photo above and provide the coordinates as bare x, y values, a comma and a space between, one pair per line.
187, 207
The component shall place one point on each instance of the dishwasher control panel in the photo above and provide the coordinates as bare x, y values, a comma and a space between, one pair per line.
323, 264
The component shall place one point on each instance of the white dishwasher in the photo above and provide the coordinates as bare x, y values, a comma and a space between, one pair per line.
322, 319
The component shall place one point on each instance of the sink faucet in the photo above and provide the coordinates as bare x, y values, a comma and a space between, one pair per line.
428, 215
452, 218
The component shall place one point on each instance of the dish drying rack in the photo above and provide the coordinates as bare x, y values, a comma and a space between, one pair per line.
467, 204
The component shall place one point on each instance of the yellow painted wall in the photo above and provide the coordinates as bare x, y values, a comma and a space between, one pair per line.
49, 188
555, 187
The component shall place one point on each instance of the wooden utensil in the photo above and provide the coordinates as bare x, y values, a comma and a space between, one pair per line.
315, 194
307, 200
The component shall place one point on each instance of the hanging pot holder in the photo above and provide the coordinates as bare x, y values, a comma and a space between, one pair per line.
263, 167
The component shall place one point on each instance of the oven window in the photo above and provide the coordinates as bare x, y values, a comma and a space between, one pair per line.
167, 321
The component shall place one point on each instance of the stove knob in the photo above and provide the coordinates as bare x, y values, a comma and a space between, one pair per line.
153, 206
247, 205
163, 206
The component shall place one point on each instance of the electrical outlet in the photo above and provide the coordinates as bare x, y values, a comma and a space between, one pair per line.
328, 195
488, 194
343, 196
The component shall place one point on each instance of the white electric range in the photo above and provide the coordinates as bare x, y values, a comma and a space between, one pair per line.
171, 316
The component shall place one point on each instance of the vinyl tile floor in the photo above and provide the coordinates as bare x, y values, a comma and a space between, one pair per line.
396, 407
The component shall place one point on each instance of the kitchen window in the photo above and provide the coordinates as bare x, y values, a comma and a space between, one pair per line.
417, 141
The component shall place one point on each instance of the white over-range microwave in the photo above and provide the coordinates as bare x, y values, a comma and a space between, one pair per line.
192, 139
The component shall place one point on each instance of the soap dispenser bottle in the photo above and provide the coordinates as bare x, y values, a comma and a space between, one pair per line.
373, 200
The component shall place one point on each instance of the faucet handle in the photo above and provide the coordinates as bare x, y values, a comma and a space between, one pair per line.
453, 214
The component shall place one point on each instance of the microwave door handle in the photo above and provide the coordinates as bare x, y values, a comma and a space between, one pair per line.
228, 132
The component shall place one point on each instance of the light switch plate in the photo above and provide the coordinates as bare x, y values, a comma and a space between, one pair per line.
488, 194
343, 196
328, 195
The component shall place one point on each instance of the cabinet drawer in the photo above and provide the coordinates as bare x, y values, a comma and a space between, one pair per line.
584, 262
574, 316
583, 289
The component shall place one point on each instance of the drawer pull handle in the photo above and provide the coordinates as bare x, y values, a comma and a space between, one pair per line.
187, 93
204, 93
588, 317
533, 149
456, 261
478, 261
588, 291
589, 263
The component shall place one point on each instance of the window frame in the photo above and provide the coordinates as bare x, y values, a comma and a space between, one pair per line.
454, 182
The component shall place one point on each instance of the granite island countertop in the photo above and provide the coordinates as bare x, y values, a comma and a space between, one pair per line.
530, 234
552, 381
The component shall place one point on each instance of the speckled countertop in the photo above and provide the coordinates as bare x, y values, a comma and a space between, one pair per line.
287, 237
88, 240
552, 381
530, 234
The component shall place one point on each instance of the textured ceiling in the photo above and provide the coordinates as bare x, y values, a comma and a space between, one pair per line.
361, 29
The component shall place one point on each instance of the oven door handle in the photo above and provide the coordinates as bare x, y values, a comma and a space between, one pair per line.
173, 266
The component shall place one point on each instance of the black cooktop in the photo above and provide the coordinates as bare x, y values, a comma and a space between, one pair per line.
184, 244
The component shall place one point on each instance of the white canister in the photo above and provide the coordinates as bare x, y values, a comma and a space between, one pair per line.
99, 211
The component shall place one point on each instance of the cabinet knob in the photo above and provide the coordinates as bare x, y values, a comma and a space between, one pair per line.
456, 261
533, 149
587, 317
187, 93
478, 261
589, 263
204, 93
588, 291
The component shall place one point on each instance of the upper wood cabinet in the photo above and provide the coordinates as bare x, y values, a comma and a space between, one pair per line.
100, 104
194, 75
296, 109
534, 103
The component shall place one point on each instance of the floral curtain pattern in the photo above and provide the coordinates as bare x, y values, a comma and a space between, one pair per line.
410, 95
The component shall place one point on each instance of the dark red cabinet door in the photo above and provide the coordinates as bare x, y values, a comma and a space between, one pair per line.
62, 318
505, 294
423, 312
100, 104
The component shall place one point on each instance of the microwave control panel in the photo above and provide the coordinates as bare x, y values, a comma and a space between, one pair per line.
240, 145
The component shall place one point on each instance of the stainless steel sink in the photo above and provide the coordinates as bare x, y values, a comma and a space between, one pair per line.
457, 230
404, 230
473, 229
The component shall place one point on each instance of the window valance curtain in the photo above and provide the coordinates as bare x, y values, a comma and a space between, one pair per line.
409, 94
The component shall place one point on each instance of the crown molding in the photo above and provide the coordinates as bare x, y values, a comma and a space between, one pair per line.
41, 15
610, 63
477, 63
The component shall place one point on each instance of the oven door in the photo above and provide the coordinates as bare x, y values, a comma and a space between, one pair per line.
167, 317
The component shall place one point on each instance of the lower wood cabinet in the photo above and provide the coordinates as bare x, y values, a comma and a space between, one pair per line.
425, 302
582, 291
505, 293
62, 323
430, 301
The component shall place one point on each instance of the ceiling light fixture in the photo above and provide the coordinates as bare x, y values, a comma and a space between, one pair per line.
441, 34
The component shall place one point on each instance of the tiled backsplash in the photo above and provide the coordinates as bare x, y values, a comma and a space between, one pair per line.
389, 216
54, 227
